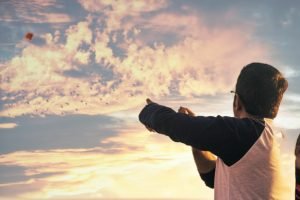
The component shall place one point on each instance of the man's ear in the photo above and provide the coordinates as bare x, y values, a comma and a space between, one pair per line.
237, 103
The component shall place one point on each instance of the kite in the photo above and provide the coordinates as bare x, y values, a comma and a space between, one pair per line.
28, 36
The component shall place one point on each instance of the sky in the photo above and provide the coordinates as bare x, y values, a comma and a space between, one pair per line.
70, 97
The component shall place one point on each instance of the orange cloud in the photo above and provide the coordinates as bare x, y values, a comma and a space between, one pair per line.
8, 125
155, 164
202, 61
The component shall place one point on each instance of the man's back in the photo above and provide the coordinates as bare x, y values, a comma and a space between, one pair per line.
258, 174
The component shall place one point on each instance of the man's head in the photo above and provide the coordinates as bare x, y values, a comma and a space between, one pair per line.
259, 90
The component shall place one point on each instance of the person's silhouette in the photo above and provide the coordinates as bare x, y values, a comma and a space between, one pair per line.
297, 167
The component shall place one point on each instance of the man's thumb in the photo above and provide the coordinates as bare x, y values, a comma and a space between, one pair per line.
149, 101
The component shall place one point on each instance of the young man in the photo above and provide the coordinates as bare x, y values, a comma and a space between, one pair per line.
248, 155
297, 167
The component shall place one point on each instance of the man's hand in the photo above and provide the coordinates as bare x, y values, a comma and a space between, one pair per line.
181, 109
186, 111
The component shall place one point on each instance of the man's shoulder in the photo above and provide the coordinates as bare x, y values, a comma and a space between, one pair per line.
246, 123
239, 135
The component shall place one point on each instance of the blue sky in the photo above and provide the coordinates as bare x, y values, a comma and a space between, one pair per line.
70, 97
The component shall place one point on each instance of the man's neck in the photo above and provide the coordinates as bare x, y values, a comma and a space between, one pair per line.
247, 115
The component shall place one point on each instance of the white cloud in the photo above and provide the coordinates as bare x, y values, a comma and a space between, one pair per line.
290, 72
123, 9
8, 125
288, 115
288, 18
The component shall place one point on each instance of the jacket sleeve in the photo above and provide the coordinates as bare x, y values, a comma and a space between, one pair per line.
227, 137
208, 178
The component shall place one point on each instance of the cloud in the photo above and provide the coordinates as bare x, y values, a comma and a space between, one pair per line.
8, 125
47, 18
42, 133
121, 61
35, 11
289, 17
123, 9
69, 173
115, 12
290, 72
289, 115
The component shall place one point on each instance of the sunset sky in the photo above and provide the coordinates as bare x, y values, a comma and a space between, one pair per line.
70, 97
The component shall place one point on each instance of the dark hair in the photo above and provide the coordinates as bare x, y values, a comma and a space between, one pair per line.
260, 87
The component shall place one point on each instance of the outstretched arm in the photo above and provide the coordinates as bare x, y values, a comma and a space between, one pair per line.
199, 132
228, 138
